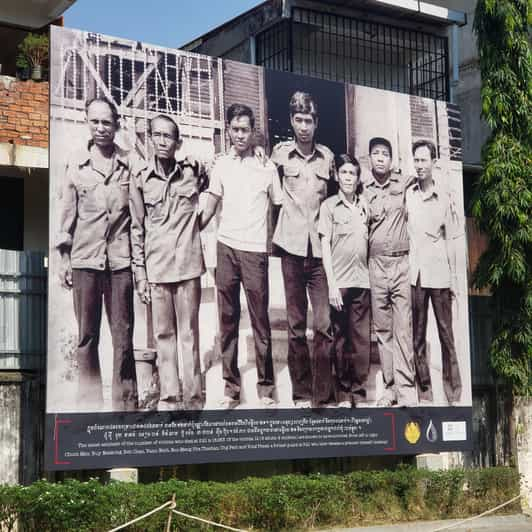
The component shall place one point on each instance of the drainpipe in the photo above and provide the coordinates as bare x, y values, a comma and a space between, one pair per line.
253, 49
455, 76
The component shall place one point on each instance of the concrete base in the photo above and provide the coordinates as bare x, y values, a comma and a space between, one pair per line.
125, 474
440, 461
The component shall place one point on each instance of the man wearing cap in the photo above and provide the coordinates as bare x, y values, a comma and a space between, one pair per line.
389, 275
168, 261
432, 226
308, 173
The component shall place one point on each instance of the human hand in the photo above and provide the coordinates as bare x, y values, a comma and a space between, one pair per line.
65, 272
143, 290
335, 298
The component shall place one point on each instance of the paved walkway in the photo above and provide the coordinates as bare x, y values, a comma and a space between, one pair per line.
502, 523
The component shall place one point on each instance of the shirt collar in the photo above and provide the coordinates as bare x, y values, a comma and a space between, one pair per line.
432, 192
153, 170
342, 199
119, 155
316, 151
374, 183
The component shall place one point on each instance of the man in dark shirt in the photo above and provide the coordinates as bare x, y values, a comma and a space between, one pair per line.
96, 257
168, 261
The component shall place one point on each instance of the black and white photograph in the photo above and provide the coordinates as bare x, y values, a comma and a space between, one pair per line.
225, 238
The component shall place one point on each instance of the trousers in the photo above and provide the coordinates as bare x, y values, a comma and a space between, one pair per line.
311, 379
351, 352
249, 268
392, 319
441, 300
115, 289
175, 308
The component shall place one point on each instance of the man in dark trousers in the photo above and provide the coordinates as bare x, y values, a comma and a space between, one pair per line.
245, 184
389, 275
96, 257
307, 171
432, 227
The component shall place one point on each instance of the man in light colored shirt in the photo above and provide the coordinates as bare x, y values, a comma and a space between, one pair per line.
96, 258
432, 226
246, 185
389, 275
168, 261
308, 174
343, 229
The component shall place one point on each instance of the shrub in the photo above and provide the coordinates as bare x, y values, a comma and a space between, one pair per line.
287, 502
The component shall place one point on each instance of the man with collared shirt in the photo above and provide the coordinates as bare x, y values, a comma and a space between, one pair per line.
343, 229
432, 225
307, 171
168, 261
246, 184
389, 275
96, 257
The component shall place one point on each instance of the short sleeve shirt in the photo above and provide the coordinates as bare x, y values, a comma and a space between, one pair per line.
246, 187
306, 181
432, 225
345, 226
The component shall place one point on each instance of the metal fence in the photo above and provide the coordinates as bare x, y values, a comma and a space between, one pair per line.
353, 50
22, 310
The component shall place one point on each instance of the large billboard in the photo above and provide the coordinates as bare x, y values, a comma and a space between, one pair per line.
248, 264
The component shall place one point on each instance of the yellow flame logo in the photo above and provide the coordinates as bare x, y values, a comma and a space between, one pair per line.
412, 432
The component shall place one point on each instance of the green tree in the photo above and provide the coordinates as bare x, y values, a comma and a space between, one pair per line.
503, 196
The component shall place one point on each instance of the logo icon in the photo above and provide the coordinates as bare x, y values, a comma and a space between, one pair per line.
431, 433
412, 432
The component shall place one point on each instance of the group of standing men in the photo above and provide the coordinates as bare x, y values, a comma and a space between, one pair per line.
366, 250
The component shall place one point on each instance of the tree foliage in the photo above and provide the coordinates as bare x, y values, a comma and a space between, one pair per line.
503, 196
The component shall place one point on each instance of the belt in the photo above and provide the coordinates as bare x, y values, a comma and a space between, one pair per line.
388, 253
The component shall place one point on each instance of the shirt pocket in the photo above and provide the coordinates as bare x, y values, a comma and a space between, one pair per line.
396, 200
292, 177
343, 223
87, 201
154, 206
322, 179
188, 200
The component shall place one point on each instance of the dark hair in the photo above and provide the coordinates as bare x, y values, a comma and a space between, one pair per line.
429, 144
382, 141
345, 158
303, 102
109, 103
168, 119
237, 110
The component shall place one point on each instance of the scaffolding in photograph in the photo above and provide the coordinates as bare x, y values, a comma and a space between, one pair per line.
142, 81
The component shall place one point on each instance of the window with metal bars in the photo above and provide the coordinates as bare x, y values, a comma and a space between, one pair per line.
353, 50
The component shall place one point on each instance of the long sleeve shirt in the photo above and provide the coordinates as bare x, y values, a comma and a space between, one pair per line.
94, 213
165, 236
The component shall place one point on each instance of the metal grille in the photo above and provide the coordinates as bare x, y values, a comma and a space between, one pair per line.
357, 51
141, 80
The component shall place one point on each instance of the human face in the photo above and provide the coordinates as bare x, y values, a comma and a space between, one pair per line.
348, 178
381, 160
164, 138
423, 163
304, 126
240, 132
102, 126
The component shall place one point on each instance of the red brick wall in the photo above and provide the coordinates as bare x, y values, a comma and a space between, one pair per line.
24, 113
